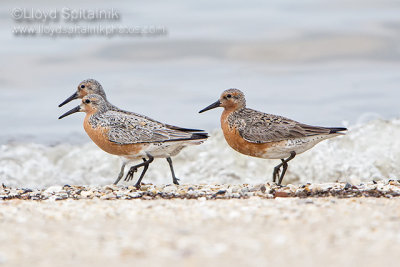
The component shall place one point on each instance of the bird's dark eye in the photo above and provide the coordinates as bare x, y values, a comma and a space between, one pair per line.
228, 96
82, 86
87, 101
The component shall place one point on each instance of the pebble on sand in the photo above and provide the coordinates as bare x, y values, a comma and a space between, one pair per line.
208, 191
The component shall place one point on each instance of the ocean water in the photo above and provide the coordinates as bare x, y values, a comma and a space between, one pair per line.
319, 62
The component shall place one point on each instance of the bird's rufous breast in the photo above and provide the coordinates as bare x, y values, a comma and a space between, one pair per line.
239, 144
99, 136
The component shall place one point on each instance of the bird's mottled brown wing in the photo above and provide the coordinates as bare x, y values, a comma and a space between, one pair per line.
258, 127
172, 127
125, 128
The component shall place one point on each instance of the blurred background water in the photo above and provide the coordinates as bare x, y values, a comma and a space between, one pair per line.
319, 62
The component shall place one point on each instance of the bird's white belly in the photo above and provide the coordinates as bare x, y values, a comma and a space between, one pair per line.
162, 150
168, 149
298, 145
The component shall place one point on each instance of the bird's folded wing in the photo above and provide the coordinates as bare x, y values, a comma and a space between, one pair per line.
129, 129
258, 127
150, 119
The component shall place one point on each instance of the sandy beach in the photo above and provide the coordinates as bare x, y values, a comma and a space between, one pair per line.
257, 229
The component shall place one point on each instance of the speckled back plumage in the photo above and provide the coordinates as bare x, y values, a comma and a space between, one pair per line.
129, 128
259, 127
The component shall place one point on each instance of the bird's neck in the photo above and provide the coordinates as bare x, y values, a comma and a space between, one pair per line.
92, 118
225, 115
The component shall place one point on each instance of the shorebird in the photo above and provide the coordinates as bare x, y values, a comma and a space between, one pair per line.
130, 135
262, 135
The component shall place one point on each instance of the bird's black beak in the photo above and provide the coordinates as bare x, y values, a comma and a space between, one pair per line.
75, 109
213, 105
72, 97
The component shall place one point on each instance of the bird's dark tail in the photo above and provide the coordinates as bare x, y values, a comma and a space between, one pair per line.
337, 130
199, 136
183, 129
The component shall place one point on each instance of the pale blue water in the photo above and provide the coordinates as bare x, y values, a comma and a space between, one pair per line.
319, 62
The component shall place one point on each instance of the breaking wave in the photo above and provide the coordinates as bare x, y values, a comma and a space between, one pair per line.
370, 151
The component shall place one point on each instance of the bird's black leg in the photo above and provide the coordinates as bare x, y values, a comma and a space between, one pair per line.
134, 169
137, 185
275, 174
285, 165
174, 179
284, 168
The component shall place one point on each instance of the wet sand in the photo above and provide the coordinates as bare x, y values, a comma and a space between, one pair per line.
170, 231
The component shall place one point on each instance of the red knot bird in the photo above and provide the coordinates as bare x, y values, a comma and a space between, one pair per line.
128, 134
262, 135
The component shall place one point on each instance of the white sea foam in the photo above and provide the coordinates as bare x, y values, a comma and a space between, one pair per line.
369, 151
